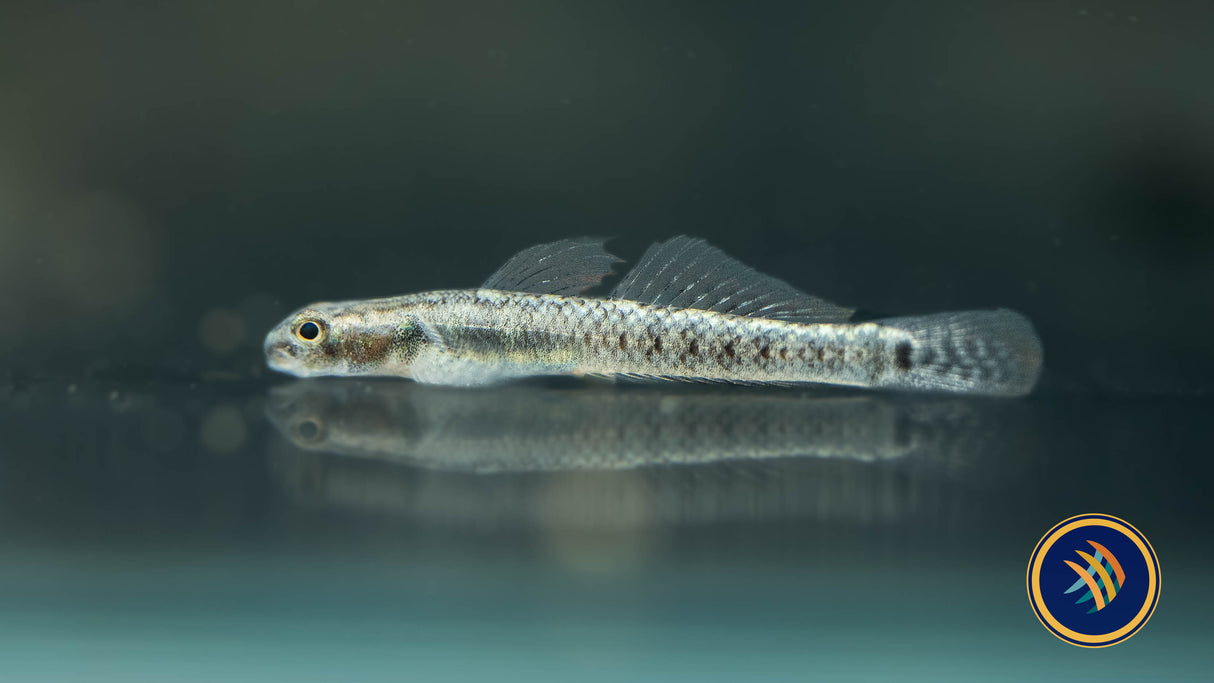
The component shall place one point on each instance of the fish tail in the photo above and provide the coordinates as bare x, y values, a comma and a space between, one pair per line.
992, 353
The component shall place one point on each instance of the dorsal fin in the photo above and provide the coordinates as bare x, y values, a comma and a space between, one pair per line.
569, 266
685, 272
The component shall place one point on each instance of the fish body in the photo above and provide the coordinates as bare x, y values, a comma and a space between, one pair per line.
712, 319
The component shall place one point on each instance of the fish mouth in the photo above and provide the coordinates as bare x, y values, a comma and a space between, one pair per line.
281, 357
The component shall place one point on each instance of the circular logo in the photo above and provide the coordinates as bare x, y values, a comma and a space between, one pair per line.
1093, 580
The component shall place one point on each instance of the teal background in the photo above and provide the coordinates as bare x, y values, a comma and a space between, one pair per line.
125, 562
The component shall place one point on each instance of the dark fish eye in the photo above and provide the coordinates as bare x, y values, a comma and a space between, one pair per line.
309, 330
309, 429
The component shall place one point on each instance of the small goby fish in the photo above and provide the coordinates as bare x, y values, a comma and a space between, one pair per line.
687, 311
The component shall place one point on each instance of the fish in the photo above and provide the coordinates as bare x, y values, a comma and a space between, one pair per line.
542, 455
687, 311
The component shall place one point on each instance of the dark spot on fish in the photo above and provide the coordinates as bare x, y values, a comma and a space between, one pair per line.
308, 429
729, 348
623, 343
682, 334
407, 341
378, 349
682, 358
367, 349
657, 344
902, 356
783, 354
694, 348
821, 355
586, 339
765, 352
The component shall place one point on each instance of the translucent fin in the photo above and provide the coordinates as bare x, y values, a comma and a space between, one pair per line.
569, 266
994, 353
685, 272
642, 378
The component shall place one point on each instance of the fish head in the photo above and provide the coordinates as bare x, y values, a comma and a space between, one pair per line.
302, 413
346, 339
346, 417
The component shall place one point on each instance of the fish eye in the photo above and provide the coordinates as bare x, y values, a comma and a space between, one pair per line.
309, 430
310, 330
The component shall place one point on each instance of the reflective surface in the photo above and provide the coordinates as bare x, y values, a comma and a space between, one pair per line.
603, 457
702, 533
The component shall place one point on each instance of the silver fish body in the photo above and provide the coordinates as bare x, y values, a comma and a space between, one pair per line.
482, 336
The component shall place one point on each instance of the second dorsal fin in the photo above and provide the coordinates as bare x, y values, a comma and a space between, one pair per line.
685, 272
569, 266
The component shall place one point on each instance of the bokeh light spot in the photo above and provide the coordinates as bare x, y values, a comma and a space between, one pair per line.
223, 430
221, 330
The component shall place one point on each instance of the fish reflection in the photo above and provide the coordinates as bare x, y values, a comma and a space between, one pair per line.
592, 456
519, 429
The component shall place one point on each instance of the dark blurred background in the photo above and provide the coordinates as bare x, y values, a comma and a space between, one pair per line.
175, 176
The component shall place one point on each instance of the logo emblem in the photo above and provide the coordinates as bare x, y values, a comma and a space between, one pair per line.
1093, 580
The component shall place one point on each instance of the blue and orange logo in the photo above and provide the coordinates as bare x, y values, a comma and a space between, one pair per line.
1104, 597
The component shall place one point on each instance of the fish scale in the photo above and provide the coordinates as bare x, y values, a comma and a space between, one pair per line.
543, 334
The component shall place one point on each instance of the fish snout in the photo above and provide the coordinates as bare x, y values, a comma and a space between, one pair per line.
280, 355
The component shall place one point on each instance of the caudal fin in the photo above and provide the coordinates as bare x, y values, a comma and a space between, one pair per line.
992, 353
